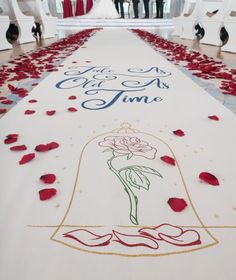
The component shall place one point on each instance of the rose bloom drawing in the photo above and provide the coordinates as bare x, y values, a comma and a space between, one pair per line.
129, 146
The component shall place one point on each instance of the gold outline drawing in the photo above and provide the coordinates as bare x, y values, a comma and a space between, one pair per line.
126, 128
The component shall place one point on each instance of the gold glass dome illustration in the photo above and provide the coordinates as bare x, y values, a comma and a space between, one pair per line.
122, 199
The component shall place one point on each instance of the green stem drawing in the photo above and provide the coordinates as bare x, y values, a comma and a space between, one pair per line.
132, 197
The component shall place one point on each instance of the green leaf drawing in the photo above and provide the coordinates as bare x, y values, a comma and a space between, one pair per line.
129, 156
132, 177
137, 179
143, 169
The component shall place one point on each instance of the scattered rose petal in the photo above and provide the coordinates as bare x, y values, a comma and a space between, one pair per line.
7, 102
72, 109
72, 97
88, 238
11, 87
41, 148
32, 101
50, 113
179, 132
11, 138
26, 158
168, 160
209, 178
135, 240
53, 145
177, 204
46, 194
46, 147
18, 148
214, 117
3, 111
29, 112
48, 178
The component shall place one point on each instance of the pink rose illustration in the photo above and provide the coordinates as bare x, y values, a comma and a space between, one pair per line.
130, 146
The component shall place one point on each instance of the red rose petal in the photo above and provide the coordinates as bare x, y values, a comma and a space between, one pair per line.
27, 158
179, 132
72, 97
41, 148
3, 111
209, 178
13, 135
72, 109
11, 138
29, 112
214, 117
32, 101
50, 113
11, 87
48, 178
177, 204
46, 147
52, 145
7, 102
18, 148
46, 194
168, 160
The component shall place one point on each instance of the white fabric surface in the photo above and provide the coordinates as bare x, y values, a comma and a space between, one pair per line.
103, 9
37, 252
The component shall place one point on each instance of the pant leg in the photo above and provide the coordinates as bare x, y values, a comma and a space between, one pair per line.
161, 9
117, 5
146, 8
122, 8
135, 8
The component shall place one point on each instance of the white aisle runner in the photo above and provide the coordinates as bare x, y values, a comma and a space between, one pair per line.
145, 180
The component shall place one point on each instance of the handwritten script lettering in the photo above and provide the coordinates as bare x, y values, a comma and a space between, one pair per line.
101, 87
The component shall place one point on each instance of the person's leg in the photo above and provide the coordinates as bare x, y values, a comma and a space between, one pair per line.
157, 9
135, 8
122, 8
117, 5
161, 9
146, 8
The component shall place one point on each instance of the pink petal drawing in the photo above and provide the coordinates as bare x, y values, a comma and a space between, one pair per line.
131, 240
153, 232
187, 238
88, 238
172, 234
